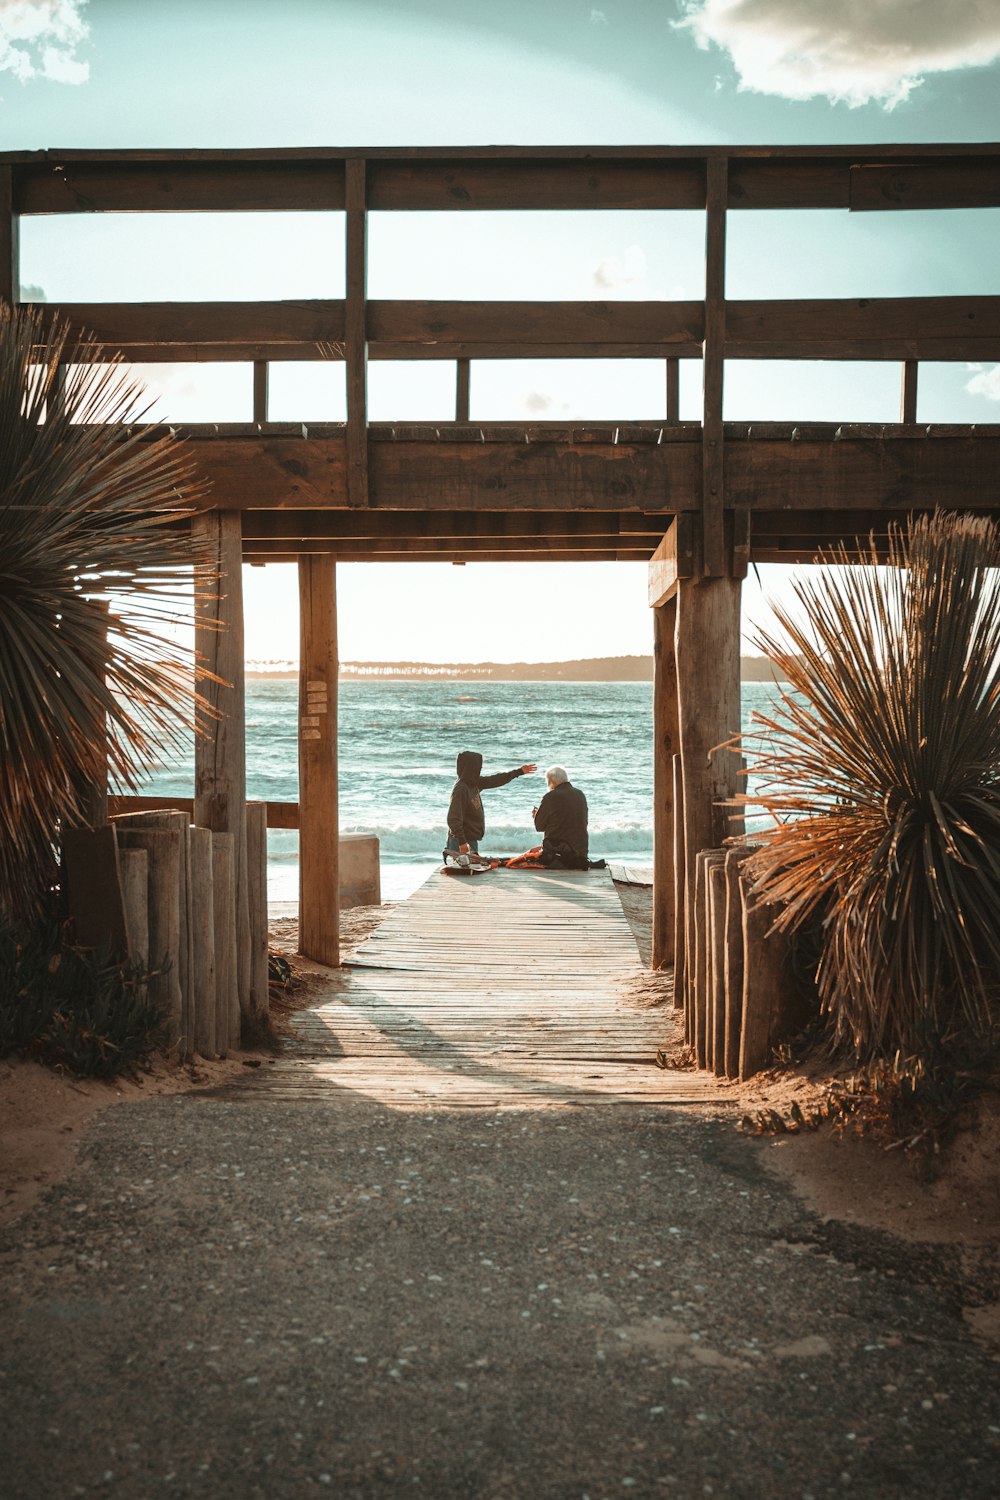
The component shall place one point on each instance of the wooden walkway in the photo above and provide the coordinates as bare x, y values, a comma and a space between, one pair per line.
491, 991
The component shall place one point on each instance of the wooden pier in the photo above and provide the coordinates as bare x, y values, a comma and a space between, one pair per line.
492, 991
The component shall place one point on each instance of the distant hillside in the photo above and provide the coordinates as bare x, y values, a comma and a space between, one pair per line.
588, 669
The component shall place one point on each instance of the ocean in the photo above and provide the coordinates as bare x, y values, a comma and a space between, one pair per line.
398, 743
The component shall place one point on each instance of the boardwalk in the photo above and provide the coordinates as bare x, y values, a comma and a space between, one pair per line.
501, 989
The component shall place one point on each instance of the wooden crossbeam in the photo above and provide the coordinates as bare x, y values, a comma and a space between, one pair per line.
448, 526
896, 328
459, 553
676, 557
455, 179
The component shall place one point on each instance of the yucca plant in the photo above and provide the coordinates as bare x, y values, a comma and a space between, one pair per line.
880, 770
94, 579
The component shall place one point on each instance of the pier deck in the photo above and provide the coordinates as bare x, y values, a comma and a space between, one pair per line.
497, 990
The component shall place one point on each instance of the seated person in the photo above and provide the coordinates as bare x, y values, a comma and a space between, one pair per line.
466, 820
561, 817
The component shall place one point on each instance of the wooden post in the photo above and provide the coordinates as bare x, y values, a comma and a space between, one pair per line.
203, 996
257, 893
673, 389
716, 894
713, 464
356, 332
700, 950
679, 955
319, 834
908, 392
708, 696
772, 1009
165, 851
133, 865
10, 257
94, 808
666, 744
166, 818
462, 390
734, 961
220, 750
227, 997
260, 390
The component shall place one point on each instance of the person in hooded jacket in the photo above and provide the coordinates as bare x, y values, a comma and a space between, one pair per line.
466, 820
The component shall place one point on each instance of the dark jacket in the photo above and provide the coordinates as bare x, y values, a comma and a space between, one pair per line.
465, 813
562, 818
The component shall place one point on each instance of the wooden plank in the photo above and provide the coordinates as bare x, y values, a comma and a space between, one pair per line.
713, 460
463, 325
164, 849
227, 991
864, 328
733, 963
192, 328
675, 558
557, 183
666, 744
256, 816
133, 865
92, 877
356, 333
64, 185
220, 752
715, 894
319, 843
178, 822
278, 552
10, 258
925, 185
203, 943
908, 392
453, 526
260, 383
680, 954
279, 814
673, 389
463, 379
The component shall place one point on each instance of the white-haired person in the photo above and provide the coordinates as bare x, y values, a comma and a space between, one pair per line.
561, 819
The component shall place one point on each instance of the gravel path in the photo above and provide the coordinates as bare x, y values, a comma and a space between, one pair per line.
267, 1300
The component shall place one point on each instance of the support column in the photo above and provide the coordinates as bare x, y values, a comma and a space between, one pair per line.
356, 331
319, 825
10, 276
666, 744
708, 696
220, 776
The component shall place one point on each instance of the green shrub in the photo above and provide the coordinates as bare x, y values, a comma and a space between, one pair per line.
78, 1008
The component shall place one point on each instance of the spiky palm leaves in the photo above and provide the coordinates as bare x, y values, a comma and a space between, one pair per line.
881, 767
88, 513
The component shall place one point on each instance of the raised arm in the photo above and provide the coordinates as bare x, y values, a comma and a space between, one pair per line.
503, 777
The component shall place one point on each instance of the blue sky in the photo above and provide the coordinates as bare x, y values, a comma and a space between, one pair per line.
116, 73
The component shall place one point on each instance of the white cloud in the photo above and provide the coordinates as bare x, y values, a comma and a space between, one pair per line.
598, 18
39, 38
616, 272
985, 383
851, 51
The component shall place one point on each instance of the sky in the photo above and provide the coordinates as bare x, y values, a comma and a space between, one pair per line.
168, 73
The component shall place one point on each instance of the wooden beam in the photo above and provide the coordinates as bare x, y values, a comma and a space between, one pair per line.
865, 328
416, 184
713, 457
708, 695
454, 526
319, 833
356, 333
673, 389
279, 814
191, 329
220, 751
666, 744
675, 558
260, 390
908, 392
10, 290
276, 552
457, 326
417, 547
922, 185
463, 370
64, 185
